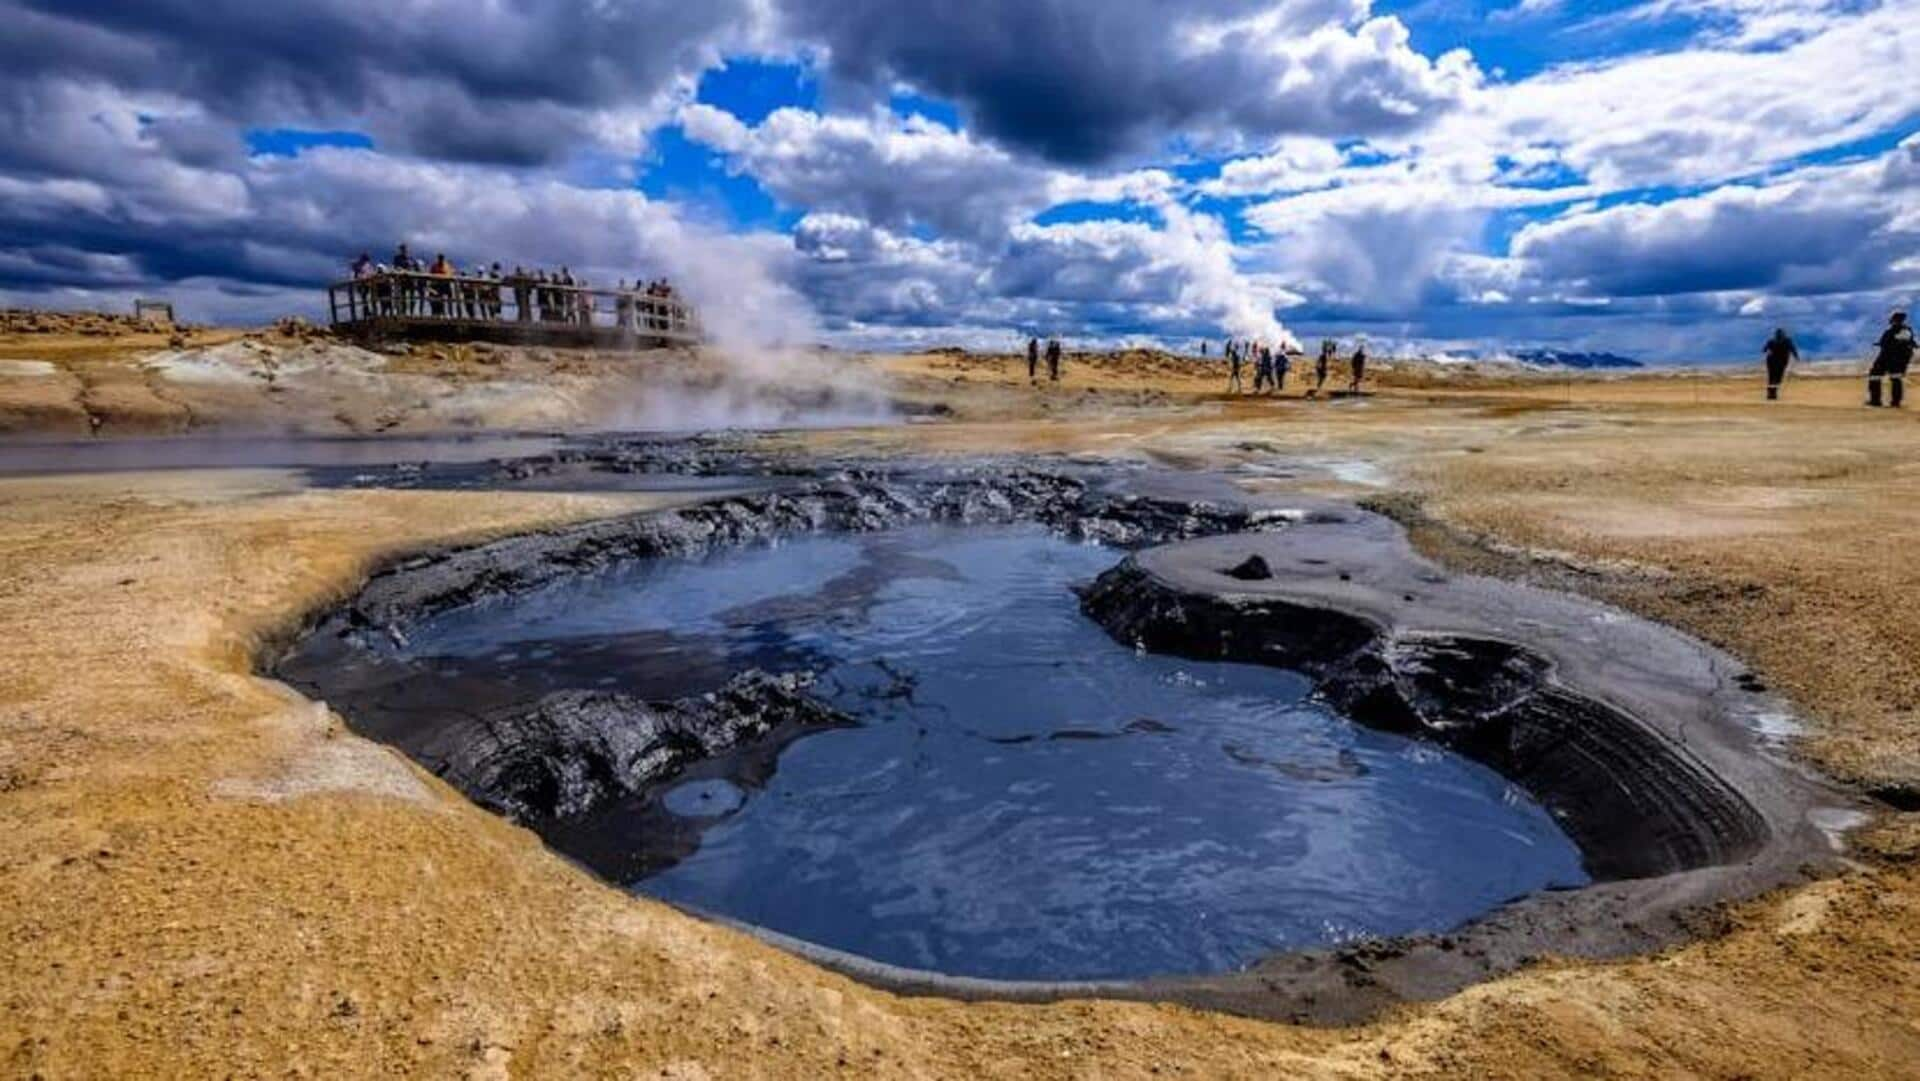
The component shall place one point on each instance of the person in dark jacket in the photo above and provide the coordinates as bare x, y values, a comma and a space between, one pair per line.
1033, 359
1234, 383
1053, 360
1322, 364
1780, 352
1890, 363
1359, 366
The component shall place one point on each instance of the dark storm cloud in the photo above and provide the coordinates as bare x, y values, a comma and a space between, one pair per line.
518, 83
1083, 83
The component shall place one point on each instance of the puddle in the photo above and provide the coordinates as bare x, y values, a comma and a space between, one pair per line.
1024, 798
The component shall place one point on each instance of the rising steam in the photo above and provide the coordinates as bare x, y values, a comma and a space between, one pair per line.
761, 367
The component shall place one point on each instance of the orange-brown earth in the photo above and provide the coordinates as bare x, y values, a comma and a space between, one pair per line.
203, 874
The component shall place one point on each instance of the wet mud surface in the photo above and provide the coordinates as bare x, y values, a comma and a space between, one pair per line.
1636, 738
1020, 795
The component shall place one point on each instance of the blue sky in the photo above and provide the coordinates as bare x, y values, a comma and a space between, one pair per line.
1663, 179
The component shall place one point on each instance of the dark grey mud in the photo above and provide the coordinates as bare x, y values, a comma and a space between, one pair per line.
1639, 739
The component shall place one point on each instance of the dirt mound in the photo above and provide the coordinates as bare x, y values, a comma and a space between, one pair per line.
294, 330
85, 324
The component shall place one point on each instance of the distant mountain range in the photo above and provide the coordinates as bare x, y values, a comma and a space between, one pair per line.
1555, 358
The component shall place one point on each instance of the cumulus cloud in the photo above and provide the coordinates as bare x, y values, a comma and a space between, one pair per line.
894, 172
1814, 231
1715, 110
113, 190
874, 181
518, 83
1650, 200
1084, 83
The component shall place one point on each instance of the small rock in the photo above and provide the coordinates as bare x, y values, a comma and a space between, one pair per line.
1253, 569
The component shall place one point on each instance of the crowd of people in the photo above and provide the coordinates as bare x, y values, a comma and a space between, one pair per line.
410, 287
1053, 355
1271, 365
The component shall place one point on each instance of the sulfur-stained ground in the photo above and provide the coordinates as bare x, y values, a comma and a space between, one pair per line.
202, 874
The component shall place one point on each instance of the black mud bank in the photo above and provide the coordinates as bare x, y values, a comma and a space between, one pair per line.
1642, 742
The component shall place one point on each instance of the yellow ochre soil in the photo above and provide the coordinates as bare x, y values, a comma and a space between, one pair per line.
202, 874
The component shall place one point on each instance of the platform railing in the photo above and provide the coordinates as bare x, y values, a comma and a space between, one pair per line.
411, 298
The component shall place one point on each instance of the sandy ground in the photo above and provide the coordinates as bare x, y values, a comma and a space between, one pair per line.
205, 875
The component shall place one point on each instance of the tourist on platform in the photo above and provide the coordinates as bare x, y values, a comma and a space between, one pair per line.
468, 294
494, 279
564, 303
384, 302
522, 286
406, 290
1323, 364
360, 296
1053, 360
1033, 360
1359, 366
442, 294
623, 306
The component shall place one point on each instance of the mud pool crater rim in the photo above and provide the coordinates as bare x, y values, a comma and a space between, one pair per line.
1753, 809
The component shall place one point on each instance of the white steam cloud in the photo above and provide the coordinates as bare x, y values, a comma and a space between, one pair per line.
763, 368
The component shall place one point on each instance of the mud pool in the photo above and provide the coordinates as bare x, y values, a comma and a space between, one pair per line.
1021, 796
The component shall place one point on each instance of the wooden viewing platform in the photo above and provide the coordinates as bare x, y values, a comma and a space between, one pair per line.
514, 311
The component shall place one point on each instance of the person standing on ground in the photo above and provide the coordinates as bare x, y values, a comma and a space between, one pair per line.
1234, 384
1281, 363
1780, 352
1896, 352
1359, 366
1053, 360
1033, 360
1323, 365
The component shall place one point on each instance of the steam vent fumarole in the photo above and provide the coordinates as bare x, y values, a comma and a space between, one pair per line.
991, 731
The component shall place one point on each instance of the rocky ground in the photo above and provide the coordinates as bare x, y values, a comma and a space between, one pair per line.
204, 873
63, 381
